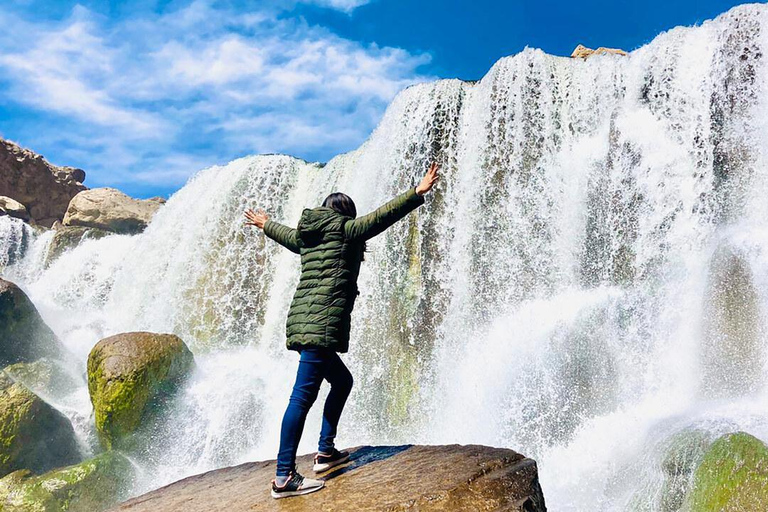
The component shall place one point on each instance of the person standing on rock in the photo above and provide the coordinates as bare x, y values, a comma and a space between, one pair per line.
331, 242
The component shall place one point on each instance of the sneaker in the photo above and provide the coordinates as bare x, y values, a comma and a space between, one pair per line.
326, 462
296, 486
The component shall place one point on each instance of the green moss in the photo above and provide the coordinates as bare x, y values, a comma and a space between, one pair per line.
127, 375
33, 435
733, 476
90, 486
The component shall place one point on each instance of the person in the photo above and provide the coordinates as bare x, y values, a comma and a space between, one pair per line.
331, 241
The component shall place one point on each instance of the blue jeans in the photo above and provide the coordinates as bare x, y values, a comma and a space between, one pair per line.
315, 365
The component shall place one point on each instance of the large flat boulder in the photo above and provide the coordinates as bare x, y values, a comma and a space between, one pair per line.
13, 208
33, 435
111, 210
44, 189
392, 478
129, 375
24, 336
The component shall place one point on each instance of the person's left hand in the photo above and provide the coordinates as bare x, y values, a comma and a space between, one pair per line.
256, 218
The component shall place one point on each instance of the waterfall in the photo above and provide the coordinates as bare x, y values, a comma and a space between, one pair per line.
589, 279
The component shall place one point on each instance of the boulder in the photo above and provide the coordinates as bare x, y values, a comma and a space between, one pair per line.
68, 237
391, 478
44, 188
733, 476
91, 486
129, 375
24, 336
45, 377
582, 52
13, 208
33, 435
684, 453
111, 210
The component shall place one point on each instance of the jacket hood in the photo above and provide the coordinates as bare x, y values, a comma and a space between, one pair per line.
314, 222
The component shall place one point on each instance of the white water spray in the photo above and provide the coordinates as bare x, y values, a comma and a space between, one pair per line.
575, 289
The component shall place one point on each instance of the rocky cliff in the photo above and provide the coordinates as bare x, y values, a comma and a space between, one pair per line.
392, 478
44, 189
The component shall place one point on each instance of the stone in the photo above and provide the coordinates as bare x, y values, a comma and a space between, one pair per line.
13, 208
582, 52
33, 435
684, 453
732, 477
68, 237
91, 486
44, 377
44, 189
391, 478
24, 336
129, 375
111, 210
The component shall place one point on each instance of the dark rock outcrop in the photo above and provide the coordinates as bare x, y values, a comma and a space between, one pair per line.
127, 374
44, 189
111, 210
24, 336
392, 478
33, 435
91, 486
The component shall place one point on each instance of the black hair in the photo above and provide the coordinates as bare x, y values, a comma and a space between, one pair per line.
342, 203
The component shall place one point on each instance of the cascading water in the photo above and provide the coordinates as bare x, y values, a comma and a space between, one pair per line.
589, 281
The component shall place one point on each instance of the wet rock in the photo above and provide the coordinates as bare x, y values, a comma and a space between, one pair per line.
391, 478
13, 208
33, 435
684, 453
44, 377
129, 375
733, 476
111, 210
44, 188
582, 52
24, 336
91, 486
68, 237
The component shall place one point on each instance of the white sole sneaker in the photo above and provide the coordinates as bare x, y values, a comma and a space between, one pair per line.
319, 468
300, 492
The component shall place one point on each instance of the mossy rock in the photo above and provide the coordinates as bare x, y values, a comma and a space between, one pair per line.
68, 237
732, 477
44, 377
91, 486
684, 452
129, 376
33, 435
24, 336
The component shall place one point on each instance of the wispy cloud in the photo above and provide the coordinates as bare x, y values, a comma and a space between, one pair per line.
154, 97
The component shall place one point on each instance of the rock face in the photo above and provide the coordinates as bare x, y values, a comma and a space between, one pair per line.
733, 476
33, 435
128, 374
392, 478
90, 486
111, 210
24, 336
45, 189
582, 52
13, 208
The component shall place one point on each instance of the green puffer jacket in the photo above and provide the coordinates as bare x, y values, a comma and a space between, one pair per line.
331, 249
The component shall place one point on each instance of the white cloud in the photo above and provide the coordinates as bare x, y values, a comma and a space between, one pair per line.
156, 97
342, 5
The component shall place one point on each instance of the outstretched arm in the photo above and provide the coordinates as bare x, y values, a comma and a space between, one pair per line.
383, 217
285, 236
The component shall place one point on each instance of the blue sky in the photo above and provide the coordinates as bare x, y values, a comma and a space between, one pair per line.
142, 94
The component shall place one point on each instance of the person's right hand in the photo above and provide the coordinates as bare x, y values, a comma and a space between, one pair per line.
257, 219
429, 179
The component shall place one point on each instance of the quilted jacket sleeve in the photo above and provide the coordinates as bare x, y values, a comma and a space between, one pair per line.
285, 236
376, 222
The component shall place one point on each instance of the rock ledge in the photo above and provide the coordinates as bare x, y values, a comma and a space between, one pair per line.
391, 478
